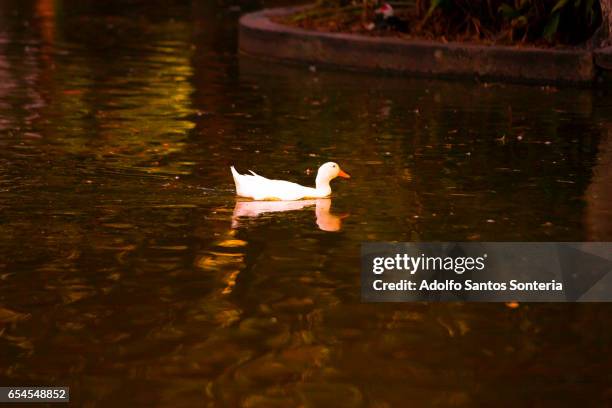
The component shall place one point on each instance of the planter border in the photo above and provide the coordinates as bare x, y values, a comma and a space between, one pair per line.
261, 37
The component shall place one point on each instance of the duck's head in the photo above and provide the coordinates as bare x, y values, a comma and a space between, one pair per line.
330, 171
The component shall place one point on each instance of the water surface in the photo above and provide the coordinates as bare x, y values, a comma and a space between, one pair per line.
130, 272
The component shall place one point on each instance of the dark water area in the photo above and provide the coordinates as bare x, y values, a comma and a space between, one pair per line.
130, 272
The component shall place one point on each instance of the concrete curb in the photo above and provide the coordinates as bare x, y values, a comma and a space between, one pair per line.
603, 58
260, 36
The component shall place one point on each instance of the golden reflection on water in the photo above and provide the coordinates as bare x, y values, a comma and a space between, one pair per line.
224, 261
133, 117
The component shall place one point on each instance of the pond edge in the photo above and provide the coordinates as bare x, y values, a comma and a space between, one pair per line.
259, 36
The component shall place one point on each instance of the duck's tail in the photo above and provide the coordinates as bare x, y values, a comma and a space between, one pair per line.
236, 177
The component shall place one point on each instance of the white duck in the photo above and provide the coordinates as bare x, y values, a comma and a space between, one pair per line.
260, 188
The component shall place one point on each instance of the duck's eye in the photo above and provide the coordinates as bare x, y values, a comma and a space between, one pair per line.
334, 166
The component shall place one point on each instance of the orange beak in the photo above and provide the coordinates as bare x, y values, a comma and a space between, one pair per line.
342, 174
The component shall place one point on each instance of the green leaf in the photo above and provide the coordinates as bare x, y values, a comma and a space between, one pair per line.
520, 21
560, 4
551, 27
434, 4
432, 7
590, 10
507, 11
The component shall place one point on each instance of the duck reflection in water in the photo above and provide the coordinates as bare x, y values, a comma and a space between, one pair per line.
325, 219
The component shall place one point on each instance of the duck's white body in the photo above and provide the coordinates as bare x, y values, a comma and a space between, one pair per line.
260, 188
